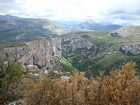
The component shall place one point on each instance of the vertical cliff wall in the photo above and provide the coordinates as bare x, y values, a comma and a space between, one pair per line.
38, 52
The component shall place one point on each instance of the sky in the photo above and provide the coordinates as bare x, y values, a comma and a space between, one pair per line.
116, 11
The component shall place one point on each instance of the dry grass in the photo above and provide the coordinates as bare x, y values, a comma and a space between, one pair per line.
121, 87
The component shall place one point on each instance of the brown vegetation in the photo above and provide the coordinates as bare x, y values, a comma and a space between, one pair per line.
121, 87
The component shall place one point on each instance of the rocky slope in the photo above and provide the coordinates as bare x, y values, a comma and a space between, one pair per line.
131, 48
73, 42
126, 48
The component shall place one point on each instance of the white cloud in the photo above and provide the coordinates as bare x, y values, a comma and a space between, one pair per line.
103, 10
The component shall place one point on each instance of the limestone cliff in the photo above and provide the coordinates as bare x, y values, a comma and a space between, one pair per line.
42, 52
38, 52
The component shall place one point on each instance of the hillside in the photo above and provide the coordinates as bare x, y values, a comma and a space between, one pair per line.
111, 52
128, 31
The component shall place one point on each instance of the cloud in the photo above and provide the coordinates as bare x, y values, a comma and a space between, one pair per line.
124, 10
9, 7
119, 11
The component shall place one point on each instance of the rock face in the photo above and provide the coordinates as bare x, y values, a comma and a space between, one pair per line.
126, 48
133, 49
38, 52
115, 34
43, 52
72, 42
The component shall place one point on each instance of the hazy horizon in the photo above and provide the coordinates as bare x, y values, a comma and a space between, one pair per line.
114, 11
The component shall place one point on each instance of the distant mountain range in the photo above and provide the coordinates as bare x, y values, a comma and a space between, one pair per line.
88, 24
15, 29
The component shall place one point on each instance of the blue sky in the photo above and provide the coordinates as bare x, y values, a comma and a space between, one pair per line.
117, 11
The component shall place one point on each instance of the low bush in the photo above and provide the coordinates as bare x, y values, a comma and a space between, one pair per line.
121, 87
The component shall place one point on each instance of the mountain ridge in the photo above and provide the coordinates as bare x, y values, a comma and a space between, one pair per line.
87, 24
15, 29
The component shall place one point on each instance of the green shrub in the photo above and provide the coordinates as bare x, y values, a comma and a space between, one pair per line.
68, 67
10, 75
